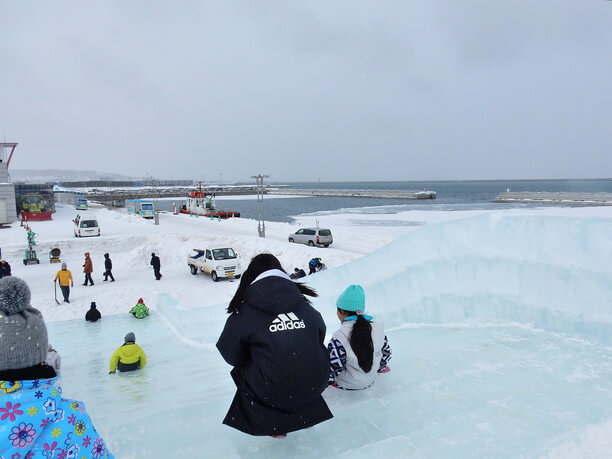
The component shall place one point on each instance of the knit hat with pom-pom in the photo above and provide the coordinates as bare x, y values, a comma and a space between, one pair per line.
23, 334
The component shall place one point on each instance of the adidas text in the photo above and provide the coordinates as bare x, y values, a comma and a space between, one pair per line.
287, 321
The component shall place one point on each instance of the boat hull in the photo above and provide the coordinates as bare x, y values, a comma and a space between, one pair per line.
215, 214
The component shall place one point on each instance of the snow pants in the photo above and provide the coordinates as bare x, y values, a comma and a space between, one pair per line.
108, 274
65, 292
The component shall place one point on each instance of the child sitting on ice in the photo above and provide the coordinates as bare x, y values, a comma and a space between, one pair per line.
93, 314
129, 356
359, 349
140, 311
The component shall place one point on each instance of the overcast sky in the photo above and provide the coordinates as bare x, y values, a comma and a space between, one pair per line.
308, 90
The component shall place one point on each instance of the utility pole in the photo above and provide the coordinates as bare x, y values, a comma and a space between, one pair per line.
261, 225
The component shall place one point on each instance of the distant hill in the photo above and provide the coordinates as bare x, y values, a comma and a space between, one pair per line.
58, 175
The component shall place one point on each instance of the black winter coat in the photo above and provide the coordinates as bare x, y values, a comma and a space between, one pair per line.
155, 262
108, 264
5, 270
92, 315
281, 366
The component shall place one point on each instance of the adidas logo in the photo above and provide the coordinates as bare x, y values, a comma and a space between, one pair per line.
287, 321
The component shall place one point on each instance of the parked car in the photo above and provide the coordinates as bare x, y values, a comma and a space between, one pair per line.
312, 237
219, 262
86, 227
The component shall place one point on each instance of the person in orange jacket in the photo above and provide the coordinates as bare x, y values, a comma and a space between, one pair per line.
88, 269
65, 281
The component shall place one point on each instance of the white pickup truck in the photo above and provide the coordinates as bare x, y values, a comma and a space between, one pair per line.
219, 262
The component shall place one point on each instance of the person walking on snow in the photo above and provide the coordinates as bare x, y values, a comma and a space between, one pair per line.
129, 356
273, 339
140, 311
108, 266
88, 269
93, 314
65, 282
37, 415
359, 349
156, 265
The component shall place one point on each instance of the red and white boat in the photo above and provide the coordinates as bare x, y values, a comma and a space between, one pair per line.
202, 205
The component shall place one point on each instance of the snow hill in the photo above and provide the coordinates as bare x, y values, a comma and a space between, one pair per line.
60, 175
500, 325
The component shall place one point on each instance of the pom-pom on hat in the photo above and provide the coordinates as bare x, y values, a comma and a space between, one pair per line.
130, 338
140, 300
22, 328
352, 299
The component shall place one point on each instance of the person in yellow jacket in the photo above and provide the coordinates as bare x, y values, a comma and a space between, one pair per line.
129, 356
65, 281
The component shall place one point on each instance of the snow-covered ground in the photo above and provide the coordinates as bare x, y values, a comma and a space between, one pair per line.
500, 323
130, 240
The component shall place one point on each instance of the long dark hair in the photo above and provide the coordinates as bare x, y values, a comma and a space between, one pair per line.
361, 341
259, 264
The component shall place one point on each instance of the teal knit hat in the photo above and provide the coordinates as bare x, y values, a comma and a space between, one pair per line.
352, 299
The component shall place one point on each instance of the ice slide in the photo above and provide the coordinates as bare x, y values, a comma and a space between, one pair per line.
501, 338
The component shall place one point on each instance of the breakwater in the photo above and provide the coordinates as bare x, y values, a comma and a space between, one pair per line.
350, 193
559, 197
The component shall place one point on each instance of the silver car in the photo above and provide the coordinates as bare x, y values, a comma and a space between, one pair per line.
312, 237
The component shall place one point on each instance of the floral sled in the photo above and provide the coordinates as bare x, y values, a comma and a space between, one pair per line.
36, 422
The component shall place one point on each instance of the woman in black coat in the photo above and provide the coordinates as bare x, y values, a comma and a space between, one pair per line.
274, 340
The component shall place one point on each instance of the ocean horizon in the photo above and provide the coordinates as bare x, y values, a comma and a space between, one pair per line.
451, 196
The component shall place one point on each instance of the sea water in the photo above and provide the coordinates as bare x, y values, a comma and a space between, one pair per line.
476, 195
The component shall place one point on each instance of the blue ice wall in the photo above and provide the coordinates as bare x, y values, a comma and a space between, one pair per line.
554, 273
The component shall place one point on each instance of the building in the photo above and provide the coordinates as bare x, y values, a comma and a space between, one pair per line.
8, 207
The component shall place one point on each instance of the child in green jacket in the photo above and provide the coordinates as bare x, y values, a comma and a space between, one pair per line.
140, 311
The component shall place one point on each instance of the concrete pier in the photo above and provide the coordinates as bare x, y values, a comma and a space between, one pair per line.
557, 197
385, 194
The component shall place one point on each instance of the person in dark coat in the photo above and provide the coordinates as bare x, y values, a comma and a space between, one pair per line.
5, 269
298, 273
93, 314
156, 265
108, 266
274, 340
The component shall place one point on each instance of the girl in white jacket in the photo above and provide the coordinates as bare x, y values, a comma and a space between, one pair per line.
359, 349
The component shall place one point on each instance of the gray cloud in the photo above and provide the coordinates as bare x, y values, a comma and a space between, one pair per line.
310, 89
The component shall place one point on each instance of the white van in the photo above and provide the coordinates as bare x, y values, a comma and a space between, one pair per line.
87, 226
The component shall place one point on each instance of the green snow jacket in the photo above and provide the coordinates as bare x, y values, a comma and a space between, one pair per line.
140, 311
